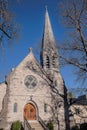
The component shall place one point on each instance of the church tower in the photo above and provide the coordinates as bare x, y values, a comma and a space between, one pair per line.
49, 54
50, 63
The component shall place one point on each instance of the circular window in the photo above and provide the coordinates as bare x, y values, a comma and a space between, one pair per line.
30, 81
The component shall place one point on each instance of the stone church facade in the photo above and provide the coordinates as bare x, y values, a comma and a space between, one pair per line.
33, 91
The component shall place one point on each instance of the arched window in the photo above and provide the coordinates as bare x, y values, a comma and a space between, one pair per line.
15, 107
45, 107
77, 111
55, 83
47, 62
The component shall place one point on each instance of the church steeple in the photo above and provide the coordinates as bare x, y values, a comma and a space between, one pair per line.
49, 54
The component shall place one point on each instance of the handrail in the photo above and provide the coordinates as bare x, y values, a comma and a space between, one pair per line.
28, 125
42, 123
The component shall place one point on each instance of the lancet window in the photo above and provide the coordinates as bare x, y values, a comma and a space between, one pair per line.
15, 107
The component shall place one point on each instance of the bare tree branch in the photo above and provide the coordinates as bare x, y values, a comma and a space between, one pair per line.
74, 52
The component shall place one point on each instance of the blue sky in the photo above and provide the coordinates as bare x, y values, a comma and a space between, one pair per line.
29, 14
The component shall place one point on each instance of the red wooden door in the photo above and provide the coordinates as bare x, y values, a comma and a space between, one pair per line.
29, 112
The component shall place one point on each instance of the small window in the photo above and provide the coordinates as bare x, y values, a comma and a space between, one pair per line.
55, 107
15, 107
77, 111
55, 83
45, 107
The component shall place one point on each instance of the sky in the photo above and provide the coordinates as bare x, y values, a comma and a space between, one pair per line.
29, 14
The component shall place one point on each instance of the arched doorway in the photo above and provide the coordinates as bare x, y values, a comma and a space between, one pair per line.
29, 112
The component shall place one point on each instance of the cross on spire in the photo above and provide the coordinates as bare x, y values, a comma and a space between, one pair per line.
46, 7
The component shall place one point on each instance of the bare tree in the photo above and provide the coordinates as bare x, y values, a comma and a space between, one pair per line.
74, 51
8, 28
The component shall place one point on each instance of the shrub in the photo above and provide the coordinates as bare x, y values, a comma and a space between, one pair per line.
83, 126
16, 126
50, 125
75, 128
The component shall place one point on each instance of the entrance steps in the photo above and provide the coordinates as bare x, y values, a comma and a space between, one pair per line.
35, 125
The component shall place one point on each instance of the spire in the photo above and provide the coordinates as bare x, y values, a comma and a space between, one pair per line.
49, 55
48, 33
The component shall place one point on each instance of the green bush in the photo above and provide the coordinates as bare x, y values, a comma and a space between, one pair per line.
75, 128
50, 126
16, 126
83, 126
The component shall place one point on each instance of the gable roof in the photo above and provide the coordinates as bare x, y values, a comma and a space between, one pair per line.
29, 62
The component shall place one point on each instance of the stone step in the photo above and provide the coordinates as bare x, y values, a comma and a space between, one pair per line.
36, 125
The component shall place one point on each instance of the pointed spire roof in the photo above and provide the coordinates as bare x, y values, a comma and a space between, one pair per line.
48, 37
49, 52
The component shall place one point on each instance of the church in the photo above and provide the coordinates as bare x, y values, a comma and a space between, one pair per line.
34, 93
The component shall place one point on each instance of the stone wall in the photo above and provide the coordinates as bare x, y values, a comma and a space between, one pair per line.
2, 93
